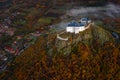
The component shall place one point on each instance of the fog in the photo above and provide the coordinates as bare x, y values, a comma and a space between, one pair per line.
109, 10
59, 27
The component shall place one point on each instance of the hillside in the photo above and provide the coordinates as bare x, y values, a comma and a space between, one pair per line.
91, 54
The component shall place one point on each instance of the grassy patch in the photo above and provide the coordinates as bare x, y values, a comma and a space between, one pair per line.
46, 20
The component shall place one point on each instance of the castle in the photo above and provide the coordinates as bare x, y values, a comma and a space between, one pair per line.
76, 27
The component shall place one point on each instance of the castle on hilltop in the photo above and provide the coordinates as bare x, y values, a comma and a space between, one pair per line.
76, 27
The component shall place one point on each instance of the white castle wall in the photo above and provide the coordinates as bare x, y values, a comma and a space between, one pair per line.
70, 29
79, 29
75, 29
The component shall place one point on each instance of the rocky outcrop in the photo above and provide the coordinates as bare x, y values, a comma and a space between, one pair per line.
87, 37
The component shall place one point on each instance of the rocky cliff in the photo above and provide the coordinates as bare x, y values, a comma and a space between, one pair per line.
94, 33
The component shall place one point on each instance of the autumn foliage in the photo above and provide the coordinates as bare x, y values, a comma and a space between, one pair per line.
102, 63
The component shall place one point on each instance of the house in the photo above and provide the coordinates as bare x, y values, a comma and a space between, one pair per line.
10, 31
3, 56
9, 49
19, 37
36, 34
13, 49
